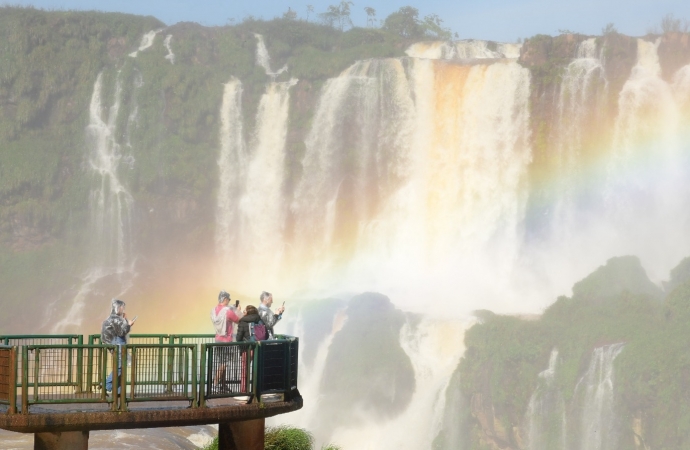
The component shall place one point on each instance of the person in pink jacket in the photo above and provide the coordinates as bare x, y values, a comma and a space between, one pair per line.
223, 317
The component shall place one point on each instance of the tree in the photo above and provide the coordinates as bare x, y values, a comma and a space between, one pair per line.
344, 18
610, 28
310, 9
669, 24
290, 14
433, 29
371, 16
337, 14
404, 22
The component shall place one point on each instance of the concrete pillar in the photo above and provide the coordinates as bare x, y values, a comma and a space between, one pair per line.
245, 435
65, 440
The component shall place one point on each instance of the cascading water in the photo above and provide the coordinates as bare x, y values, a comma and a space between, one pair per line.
434, 348
261, 206
581, 107
467, 49
407, 159
232, 167
170, 56
595, 394
263, 59
546, 420
311, 376
646, 186
110, 205
415, 180
146, 42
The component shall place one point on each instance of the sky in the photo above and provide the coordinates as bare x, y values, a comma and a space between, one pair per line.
499, 20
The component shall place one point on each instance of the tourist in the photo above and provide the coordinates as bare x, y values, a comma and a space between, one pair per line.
114, 331
267, 316
223, 317
251, 319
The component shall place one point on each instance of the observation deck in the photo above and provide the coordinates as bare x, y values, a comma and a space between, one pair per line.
55, 386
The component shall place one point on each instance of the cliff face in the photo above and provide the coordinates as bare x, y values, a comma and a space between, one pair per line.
609, 344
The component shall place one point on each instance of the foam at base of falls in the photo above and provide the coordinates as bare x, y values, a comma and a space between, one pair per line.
434, 347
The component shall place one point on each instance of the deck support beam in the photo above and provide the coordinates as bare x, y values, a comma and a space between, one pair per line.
245, 435
62, 440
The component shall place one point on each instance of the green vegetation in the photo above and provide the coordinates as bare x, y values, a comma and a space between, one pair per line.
617, 303
284, 437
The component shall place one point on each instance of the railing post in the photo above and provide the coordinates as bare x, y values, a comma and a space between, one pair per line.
103, 362
13, 381
122, 349
286, 372
25, 380
195, 368
171, 363
37, 366
202, 377
160, 360
69, 359
89, 366
80, 364
258, 372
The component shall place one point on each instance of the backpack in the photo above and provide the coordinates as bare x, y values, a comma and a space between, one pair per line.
258, 331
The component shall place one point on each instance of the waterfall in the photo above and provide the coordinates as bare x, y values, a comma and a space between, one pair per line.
262, 207
595, 390
311, 377
581, 109
414, 157
110, 205
146, 42
435, 347
546, 421
466, 49
232, 163
170, 56
264, 60
646, 185
251, 213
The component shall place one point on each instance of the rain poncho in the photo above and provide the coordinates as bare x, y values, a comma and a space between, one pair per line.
268, 318
115, 326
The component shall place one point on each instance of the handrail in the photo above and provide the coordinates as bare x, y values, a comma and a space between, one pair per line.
22, 340
192, 371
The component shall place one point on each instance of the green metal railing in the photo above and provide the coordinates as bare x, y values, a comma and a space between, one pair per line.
228, 370
22, 340
145, 381
168, 367
47, 374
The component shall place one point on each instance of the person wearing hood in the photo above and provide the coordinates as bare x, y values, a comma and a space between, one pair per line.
114, 331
